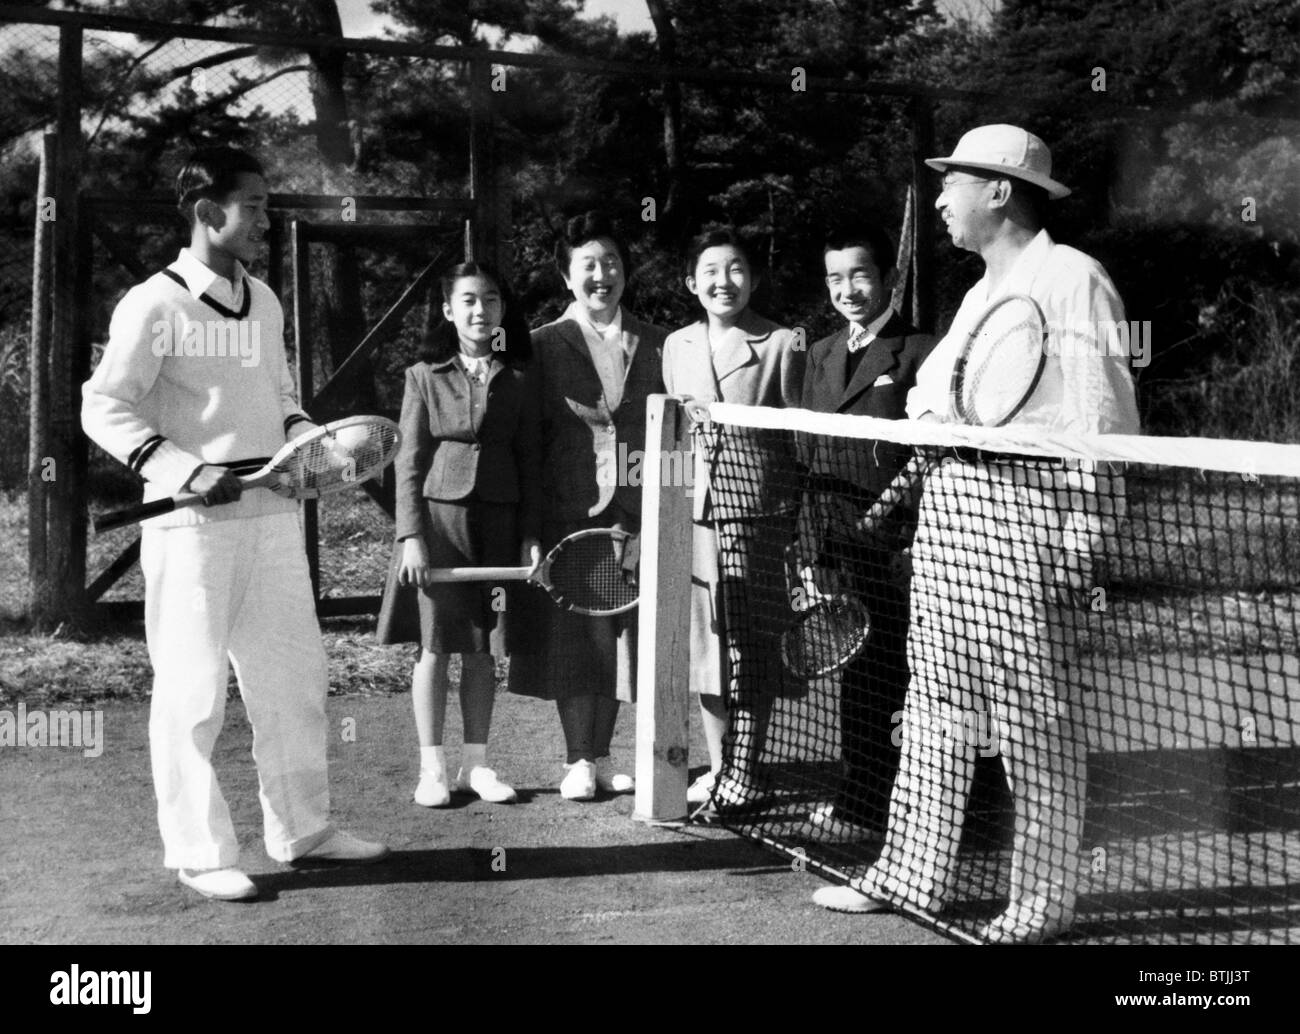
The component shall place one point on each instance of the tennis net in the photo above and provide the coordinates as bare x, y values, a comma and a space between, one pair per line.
1075, 712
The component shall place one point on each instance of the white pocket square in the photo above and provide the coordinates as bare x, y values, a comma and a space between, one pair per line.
882, 380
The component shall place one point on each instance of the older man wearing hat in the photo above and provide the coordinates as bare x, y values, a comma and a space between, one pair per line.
1001, 563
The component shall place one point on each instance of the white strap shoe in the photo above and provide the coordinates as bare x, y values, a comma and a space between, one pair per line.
580, 783
432, 791
482, 781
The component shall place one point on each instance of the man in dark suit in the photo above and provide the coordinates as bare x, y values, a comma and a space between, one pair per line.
866, 368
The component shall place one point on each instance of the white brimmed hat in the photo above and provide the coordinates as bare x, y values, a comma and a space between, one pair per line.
1007, 150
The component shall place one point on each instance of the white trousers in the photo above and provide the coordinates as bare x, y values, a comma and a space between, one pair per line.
235, 592
991, 655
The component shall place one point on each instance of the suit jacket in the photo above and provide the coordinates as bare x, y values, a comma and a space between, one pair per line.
585, 445
449, 453
879, 388
886, 373
740, 472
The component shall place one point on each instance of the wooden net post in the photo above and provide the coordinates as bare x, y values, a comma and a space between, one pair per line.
664, 628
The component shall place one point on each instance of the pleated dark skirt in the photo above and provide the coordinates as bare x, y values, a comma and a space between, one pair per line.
470, 617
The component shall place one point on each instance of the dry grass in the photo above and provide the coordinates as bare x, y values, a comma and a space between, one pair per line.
112, 663
1249, 392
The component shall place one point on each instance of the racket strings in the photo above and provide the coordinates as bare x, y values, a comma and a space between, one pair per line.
325, 461
1001, 362
587, 575
827, 636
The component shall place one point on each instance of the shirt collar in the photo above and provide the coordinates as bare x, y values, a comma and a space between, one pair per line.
476, 366
1020, 278
459, 358
201, 279
577, 313
872, 329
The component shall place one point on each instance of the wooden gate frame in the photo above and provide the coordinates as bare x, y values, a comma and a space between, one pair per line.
302, 234
57, 519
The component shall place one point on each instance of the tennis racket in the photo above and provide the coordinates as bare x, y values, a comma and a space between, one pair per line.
590, 572
328, 459
996, 373
825, 637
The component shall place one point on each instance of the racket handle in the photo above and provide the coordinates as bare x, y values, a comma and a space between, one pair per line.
480, 574
142, 512
900, 491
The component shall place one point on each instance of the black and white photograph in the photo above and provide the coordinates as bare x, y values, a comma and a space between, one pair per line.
560, 473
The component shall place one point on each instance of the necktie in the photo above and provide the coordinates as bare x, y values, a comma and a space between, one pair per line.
858, 339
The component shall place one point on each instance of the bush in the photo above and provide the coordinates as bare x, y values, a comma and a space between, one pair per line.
14, 405
1250, 391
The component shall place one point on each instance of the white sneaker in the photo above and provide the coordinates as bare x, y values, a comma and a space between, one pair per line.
220, 884
580, 783
432, 791
346, 848
610, 781
484, 782
701, 790
1027, 924
881, 886
846, 899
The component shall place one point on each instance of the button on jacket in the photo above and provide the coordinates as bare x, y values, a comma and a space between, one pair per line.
472, 439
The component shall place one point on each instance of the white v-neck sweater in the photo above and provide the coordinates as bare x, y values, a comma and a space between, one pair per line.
184, 382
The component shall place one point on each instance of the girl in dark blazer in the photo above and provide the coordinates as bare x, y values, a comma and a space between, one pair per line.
595, 367
743, 523
468, 495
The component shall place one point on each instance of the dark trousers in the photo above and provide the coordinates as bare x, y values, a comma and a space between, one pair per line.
873, 685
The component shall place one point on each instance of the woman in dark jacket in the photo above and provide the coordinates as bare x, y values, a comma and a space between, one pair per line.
594, 368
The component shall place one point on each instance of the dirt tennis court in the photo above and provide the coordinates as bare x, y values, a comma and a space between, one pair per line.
80, 861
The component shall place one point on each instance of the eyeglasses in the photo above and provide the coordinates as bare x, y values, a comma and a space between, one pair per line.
949, 184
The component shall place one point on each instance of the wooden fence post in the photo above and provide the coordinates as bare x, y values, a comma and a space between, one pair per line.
58, 572
923, 314
300, 247
38, 447
482, 176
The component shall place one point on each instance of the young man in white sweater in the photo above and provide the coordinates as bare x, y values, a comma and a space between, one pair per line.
193, 390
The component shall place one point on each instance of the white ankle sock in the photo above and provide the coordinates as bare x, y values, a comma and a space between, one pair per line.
432, 759
473, 755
